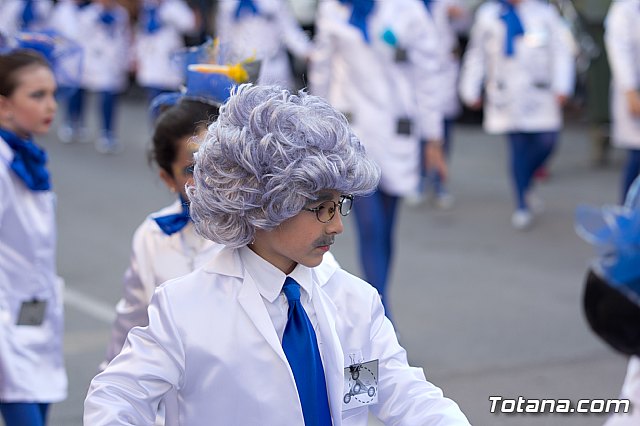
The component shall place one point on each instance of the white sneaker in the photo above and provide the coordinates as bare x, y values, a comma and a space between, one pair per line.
106, 145
415, 200
65, 133
535, 203
522, 219
444, 201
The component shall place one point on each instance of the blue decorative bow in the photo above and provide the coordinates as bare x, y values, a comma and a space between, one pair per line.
108, 18
359, 14
615, 233
172, 223
151, 19
514, 26
247, 6
28, 13
29, 161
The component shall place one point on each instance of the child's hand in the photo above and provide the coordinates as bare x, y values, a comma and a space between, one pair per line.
435, 159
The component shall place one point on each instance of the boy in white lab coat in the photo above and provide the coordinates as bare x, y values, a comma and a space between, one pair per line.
268, 332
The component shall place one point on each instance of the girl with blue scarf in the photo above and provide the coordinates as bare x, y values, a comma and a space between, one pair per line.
31, 359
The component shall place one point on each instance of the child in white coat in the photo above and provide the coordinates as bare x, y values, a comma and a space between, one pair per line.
622, 40
263, 29
32, 373
23, 15
268, 332
521, 53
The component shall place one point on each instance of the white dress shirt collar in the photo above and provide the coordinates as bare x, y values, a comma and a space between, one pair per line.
270, 279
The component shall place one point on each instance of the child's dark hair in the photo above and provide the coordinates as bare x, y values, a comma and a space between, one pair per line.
11, 64
184, 119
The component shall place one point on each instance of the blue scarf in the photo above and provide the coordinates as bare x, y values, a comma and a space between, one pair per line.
28, 13
248, 6
172, 223
359, 15
428, 3
514, 26
29, 161
151, 19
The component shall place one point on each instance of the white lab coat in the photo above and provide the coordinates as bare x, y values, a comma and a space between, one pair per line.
365, 82
265, 36
64, 19
31, 359
210, 336
107, 55
156, 66
521, 90
622, 40
448, 30
630, 391
155, 258
11, 15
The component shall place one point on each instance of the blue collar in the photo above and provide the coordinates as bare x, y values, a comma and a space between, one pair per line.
514, 26
29, 161
359, 14
172, 223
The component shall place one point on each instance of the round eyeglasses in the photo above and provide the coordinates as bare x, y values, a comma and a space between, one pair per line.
327, 209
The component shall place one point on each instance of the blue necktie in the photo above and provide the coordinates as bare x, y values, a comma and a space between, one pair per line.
359, 14
250, 7
514, 26
301, 348
29, 161
151, 19
172, 223
28, 13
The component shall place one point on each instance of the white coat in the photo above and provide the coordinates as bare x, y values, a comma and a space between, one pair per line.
622, 40
266, 36
211, 337
630, 391
64, 19
11, 15
31, 358
521, 90
155, 258
375, 91
156, 66
448, 29
107, 54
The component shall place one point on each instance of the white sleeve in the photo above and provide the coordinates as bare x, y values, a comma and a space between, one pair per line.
564, 50
293, 36
179, 15
321, 56
138, 288
151, 363
472, 72
405, 397
618, 39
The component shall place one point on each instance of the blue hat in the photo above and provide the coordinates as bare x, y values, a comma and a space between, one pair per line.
614, 231
64, 55
207, 80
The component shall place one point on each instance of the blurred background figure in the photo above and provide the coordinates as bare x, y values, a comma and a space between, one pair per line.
622, 40
160, 33
521, 53
451, 18
23, 15
105, 35
378, 63
31, 355
264, 29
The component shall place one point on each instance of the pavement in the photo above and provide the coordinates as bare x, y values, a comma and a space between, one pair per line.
486, 310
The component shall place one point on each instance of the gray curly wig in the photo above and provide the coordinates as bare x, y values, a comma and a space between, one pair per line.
269, 153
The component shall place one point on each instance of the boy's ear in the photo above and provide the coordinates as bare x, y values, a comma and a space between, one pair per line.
168, 180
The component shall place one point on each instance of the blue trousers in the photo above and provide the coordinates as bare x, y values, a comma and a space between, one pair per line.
375, 216
24, 413
108, 102
630, 172
529, 150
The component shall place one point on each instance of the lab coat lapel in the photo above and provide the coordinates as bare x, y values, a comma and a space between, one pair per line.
250, 300
333, 359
